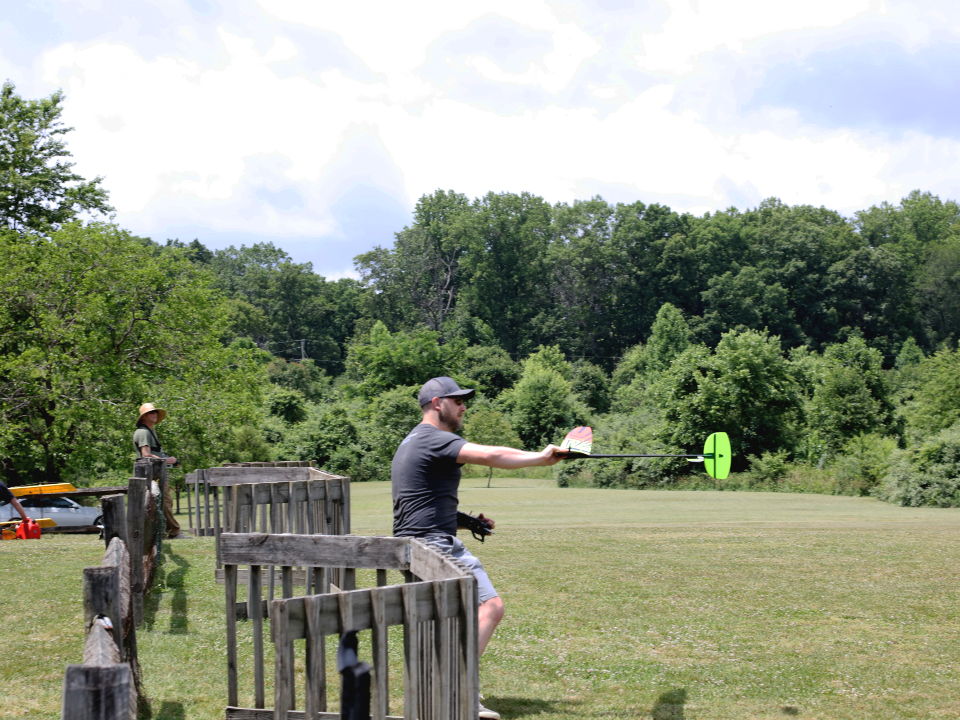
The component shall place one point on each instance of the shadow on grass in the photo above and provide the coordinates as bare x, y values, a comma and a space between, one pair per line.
515, 707
167, 581
167, 711
669, 705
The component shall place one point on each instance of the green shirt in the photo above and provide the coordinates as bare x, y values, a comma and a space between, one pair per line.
144, 436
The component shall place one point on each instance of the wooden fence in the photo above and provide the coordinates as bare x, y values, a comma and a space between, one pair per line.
107, 685
205, 499
436, 608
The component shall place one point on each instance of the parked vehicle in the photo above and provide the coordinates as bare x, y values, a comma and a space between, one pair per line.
66, 513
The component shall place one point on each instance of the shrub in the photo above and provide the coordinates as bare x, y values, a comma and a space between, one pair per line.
928, 474
862, 463
768, 470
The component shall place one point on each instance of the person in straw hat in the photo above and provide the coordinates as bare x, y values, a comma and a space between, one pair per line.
147, 444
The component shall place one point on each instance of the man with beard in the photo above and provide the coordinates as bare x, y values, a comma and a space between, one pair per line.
426, 476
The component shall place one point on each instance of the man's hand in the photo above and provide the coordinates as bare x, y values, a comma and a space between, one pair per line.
479, 526
552, 454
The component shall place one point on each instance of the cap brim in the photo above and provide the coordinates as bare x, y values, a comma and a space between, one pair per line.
464, 393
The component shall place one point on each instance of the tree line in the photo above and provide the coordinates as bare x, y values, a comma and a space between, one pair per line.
825, 345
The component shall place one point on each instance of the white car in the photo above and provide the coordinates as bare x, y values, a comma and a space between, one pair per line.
67, 514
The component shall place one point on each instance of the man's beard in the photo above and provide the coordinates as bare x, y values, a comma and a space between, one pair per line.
451, 421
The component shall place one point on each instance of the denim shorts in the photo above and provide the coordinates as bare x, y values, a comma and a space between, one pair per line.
454, 548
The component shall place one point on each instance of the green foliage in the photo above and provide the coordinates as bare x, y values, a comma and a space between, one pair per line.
637, 432
288, 405
284, 306
380, 360
936, 402
851, 395
633, 365
246, 443
92, 323
669, 336
304, 377
543, 407
768, 470
927, 474
418, 280
591, 383
327, 438
381, 426
746, 388
489, 368
39, 191
485, 424
548, 357
862, 463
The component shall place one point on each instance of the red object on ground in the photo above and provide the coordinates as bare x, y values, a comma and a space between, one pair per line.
28, 530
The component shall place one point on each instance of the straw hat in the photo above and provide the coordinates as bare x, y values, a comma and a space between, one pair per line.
148, 407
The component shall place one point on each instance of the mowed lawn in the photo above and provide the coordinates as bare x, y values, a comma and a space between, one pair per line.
620, 604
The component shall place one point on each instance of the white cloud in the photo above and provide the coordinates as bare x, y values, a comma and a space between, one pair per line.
695, 28
250, 137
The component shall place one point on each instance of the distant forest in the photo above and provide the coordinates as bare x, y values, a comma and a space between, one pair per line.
825, 345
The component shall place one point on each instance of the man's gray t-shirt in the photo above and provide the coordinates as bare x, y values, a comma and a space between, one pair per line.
426, 476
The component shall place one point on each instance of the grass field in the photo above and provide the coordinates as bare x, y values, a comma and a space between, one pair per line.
620, 604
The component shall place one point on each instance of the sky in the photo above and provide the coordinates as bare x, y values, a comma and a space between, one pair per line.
316, 125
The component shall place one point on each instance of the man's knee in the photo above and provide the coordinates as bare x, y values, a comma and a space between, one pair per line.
492, 610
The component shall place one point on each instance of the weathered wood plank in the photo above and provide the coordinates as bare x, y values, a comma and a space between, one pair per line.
98, 693
230, 594
430, 564
225, 476
101, 597
114, 517
381, 675
254, 604
136, 522
314, 550
315, 690
411, 655
99, 647
238, 713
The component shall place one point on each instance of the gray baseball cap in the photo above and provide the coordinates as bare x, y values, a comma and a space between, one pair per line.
442, 387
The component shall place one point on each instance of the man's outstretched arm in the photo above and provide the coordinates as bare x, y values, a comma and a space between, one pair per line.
506, 458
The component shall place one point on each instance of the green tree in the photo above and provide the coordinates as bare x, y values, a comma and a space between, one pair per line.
936, 402
39, 190
641, 366
576, 314
548, 357
285, 307
938, 291
927, 473
873, 295
591, 383
488, 368
506, 264
93, 322
543, 407
851, 395
381, 426
379, 360
418, 280
486, 425
746, 387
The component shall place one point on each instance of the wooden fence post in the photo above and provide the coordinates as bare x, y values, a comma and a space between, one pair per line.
136, 511
114, 518
98, 692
